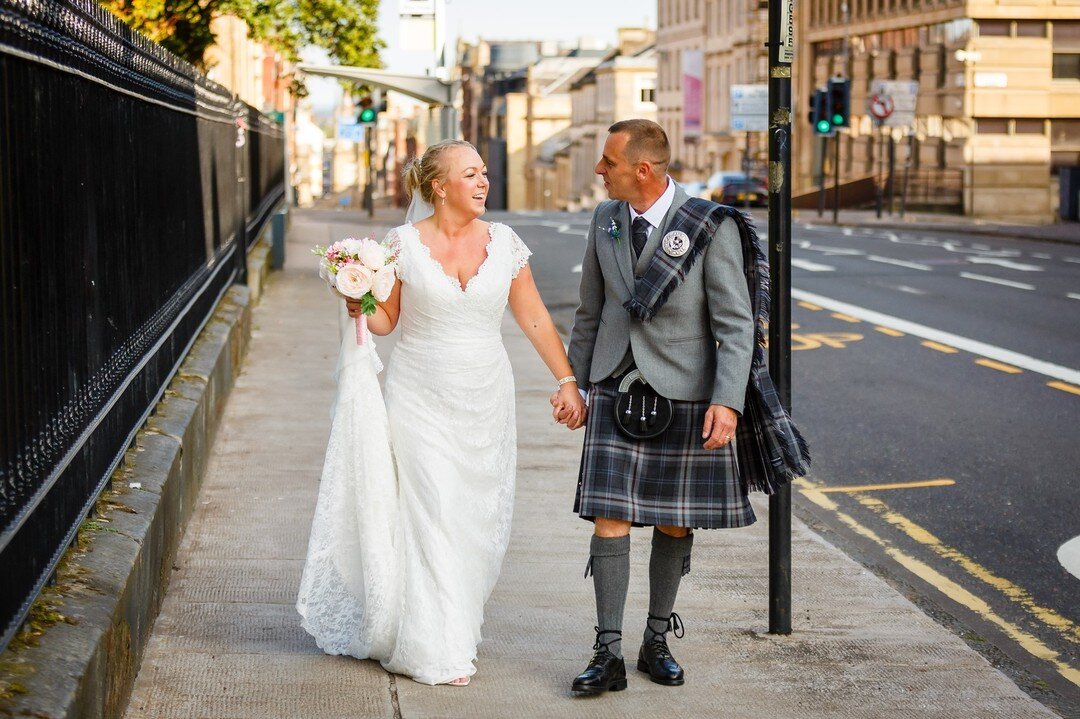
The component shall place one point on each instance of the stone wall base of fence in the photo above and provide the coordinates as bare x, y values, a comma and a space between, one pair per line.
87, 632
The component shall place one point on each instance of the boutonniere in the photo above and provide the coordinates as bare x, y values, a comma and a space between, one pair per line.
613, 230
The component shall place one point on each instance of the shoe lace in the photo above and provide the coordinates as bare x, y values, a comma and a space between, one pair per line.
603, 648
673, 624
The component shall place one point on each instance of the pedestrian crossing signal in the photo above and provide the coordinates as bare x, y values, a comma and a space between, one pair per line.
368, 111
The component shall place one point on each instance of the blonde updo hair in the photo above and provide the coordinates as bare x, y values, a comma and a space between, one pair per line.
420, 172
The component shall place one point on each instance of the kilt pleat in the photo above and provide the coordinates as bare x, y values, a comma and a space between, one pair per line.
669, 480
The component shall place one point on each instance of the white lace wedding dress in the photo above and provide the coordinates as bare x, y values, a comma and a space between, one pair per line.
414, 507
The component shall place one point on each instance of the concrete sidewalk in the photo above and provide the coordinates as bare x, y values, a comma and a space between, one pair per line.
228, 641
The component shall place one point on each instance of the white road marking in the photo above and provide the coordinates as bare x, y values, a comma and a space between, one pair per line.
1007, 264
1074, 260
982, 349
811, 266
835, 250
996, 281
847, 232
1073, 296
1069, 556
576, 269
910, 290
900, 263
1041, 256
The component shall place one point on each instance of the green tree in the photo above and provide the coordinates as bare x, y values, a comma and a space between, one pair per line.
346, 29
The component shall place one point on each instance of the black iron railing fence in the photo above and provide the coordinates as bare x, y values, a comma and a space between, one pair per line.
130, 188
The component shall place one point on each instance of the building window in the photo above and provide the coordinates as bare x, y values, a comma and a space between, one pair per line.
1066, 66
1029, 127
995, 28
984, 126
648, 94
1030, 28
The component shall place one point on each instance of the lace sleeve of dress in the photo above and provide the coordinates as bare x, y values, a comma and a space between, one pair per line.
393, 242
519, 252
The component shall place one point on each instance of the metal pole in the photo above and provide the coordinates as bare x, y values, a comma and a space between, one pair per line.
746, 171
823, 150
836, 176
907, 174
892, 173
879, 188
781, 43
369, 190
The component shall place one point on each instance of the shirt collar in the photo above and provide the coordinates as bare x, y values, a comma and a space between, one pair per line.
655, 214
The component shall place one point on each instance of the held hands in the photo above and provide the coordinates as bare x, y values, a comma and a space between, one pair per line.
354, 307
568, 407
720, 422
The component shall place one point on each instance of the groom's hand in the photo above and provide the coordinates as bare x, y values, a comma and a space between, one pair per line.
719, 429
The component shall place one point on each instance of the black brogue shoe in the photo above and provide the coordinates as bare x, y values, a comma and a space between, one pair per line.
655, 658
606, 672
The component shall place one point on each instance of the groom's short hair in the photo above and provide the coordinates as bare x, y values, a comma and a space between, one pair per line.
647, 142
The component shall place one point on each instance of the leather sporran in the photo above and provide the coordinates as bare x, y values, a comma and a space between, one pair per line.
641, 413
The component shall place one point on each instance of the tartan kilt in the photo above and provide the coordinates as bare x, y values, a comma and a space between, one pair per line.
669, 480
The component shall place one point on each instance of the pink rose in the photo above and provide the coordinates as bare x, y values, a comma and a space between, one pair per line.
371, 254
354, 280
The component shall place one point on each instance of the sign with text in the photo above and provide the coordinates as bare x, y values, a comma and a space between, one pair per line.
786, 52
417, 7
901, 97
749, 108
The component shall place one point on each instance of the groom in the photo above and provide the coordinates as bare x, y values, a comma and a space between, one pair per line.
663, 293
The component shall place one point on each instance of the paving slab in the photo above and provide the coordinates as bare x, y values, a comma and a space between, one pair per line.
228, 642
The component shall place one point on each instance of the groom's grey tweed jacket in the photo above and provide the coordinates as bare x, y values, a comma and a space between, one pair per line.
698, 346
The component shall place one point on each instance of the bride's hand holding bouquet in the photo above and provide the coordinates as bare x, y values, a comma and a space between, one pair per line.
363, 271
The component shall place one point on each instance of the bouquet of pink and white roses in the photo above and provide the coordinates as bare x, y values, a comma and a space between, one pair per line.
361, 270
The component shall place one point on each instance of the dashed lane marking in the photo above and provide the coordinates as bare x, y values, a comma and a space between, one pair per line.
1030, 643
812, 266
999, 366
889, 331
982, 349
1071, 389
1007, 264
1073, 296
1041, 256
899, 263
997, 281
939, 347
809, 306
576, 269
943, 482
1074, 260
846, 318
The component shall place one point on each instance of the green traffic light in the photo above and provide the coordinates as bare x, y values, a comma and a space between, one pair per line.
823, 126
838, 119
367, 115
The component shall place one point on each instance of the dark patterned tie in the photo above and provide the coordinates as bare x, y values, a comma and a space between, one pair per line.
639, 234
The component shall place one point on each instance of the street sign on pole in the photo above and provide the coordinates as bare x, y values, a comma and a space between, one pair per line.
902, 95
749, 108
350, 131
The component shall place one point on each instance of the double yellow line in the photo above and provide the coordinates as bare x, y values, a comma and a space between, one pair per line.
1019, 596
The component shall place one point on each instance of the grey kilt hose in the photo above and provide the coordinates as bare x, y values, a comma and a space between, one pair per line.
670, 480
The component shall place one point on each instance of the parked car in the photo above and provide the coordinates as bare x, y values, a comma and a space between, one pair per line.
724, 177
752, 192
693, 189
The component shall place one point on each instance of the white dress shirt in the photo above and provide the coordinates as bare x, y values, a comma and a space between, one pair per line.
655, 214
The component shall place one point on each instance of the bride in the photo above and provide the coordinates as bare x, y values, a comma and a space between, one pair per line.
414, 508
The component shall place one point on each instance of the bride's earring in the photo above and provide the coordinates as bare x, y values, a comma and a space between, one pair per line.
444, 201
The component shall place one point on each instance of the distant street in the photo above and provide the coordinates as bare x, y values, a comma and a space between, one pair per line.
938, 380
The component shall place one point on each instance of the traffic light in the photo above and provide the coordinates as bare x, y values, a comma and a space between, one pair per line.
368, 112
839, 102
819, 112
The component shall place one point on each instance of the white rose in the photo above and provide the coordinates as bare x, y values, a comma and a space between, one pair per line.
383, 283
351, 245
354, 280
372, 254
